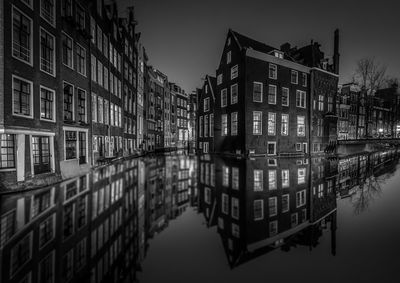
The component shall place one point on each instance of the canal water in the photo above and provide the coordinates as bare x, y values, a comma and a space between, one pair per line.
180, 218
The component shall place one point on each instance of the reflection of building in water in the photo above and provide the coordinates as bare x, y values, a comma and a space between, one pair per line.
263, 204
93, 228
360, 170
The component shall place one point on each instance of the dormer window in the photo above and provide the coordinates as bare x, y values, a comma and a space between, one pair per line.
229, 41
278, 54
228, 57
206, 88
324, 65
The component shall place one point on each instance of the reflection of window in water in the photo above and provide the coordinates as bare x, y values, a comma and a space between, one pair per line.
225, 176
258, 180
301, 175
235, 178
285, 178
272, 179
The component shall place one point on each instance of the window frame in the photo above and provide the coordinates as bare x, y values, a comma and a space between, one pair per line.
54, 104
270, 86
262, 86
31, 48
53, 24
77, 45
274, 143
261, 114
234, 86
288, 96
234, 123
234, 72
31, 97
274, 69
54, 52
292, 72
63, 33
284, 133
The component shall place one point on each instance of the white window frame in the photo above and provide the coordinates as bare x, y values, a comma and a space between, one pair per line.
258, 112
234, 72
234, 100
54, 14
84, 49
224, 92
224, 197
271, 114
219, 79
285, 181
275, 92
297, 77
288, 96
286, 209
274, 143
304, 78
206, 102
86, 100
298, 126
31, 37
303, 198
228, 57
222, 125
31, 97
301, 94
275, 212
73, 53
54, 103
258, 83
54, 52
261, 202
274, 72
283, 133
234, 133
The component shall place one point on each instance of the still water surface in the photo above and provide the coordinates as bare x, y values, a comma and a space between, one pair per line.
179, 218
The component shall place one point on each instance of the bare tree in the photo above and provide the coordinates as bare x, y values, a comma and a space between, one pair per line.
369, 75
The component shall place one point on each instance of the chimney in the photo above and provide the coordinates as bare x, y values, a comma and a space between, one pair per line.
285, 47
336, 54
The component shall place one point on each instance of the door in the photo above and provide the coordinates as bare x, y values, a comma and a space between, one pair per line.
41, 154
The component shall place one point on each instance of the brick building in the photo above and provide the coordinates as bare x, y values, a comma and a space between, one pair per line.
68, 89
180, 100
274, 101
205, 131
357, 110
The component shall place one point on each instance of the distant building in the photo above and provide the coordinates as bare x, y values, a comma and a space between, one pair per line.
357, 111
181, 100
343, 113
205, 130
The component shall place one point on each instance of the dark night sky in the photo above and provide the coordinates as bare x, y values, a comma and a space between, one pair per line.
184, 38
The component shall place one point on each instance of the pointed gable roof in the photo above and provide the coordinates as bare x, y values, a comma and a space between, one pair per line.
212, 83
247, 42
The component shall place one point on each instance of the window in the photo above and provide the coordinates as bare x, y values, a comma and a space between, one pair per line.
100, 111
319, 127
234, 93
94, 108
285, 125
67, 51
22, 37
293, 219
271, 150
22, 97
105, 72
235, 208
224, 97
258, 209
301, 175
80, 59
304, 79
235, 178
224, 124
21, 253
294, 77
298, 146
81, 105
225, 176
258, 180
225, 203
67, 8
285, 96
234, 123
211, 125
206, 105
273, 228
70, 145
206, 126
285, 203
272, 71
273, 208
99, 73
93, 62
68, 102
234, 72
228, 57
201, 126
219, 79
272, 179
301, 98
47, 10
235, 230
320, 102
46, 269
80, 17
106, 112
271, 123
46, 230
257, 122
301, 198
47, 103
7, 151
271, 94
82, 147
257, 92
285, 178
47, 52
301, 126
